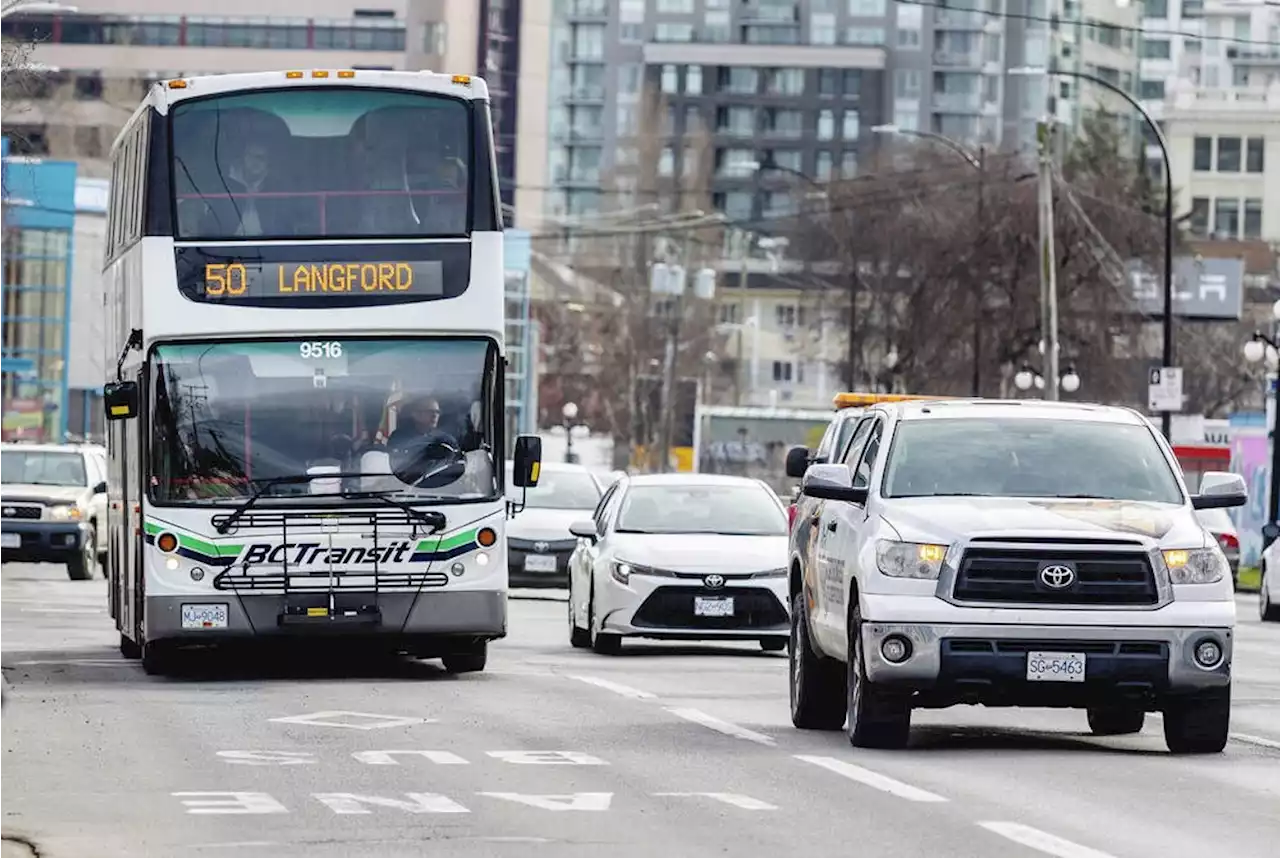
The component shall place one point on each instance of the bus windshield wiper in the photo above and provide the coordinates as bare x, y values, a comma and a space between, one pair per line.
432, 518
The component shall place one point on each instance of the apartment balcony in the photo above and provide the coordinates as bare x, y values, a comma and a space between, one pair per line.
958, 19
955, 102
588, 10
769, 14
577, 178
958, 59
1254, 56
1262, 101
585, 95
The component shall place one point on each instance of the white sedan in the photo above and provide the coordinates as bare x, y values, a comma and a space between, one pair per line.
681, 557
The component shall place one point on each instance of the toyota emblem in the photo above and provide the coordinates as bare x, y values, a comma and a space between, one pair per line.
1057, 576
713, 582
540, 547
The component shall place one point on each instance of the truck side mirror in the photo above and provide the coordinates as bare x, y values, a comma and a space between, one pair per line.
120, 400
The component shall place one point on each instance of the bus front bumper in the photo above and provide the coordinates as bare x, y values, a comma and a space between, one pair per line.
476, 614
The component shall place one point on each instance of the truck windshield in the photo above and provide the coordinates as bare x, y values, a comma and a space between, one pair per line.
321, 163
1028, 457
43, 468
227, 417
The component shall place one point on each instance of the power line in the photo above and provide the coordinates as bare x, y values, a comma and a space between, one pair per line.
1027, 16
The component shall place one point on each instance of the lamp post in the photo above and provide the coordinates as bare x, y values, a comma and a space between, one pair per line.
1026, 378
978, 163
570, 413
1166, 417
1258, 347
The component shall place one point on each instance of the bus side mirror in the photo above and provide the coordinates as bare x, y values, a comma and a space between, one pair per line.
120, 400
526, 461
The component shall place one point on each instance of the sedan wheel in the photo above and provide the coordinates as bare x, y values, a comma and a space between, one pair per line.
1268, 610
578, 638
602, 642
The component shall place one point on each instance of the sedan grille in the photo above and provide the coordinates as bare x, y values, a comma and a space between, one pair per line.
1013, 575
673, 608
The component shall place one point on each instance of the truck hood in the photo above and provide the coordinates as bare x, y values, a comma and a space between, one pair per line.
948, 520
545, 524
28, 493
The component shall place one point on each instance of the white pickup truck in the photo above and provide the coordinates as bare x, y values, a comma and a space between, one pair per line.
1011, 553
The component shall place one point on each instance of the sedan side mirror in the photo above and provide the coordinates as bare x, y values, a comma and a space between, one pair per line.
832, 482
797, 461
585, 529
1219, 489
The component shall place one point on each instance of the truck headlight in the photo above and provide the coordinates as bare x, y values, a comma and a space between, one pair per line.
1195, 565
909, 559
64, 512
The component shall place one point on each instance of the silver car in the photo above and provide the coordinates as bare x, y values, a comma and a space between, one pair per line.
681, 557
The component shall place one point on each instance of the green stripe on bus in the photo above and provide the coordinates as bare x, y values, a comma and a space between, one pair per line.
193, 543
448, 543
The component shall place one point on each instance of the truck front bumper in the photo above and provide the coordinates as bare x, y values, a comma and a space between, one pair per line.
43, 541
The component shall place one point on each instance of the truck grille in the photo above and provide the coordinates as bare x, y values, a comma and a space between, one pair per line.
1013, 575
22, 511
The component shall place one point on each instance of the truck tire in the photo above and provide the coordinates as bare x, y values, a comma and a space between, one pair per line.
1116, 721
878, 717
82, 566
817, 682
1199, 725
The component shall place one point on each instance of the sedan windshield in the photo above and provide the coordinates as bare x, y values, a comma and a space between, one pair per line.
43, 468
722, 509
1028, 457
558, 490
229, 417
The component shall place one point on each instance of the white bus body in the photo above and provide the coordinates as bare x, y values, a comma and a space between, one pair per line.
295, 262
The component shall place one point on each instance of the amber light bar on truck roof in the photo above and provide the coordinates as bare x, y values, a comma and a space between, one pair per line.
861, 400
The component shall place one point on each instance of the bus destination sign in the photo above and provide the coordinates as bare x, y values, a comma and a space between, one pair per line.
229, 281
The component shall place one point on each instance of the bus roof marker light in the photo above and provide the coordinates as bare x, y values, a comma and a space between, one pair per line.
293, 75
319, 73
464, 79
346, 73
177, 84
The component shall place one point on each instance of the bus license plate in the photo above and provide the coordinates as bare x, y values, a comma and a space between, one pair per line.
704, 606
1055, 666
539, 563
204, 616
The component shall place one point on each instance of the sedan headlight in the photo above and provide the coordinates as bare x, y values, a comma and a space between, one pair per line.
1195, 565
64, 512
909, 559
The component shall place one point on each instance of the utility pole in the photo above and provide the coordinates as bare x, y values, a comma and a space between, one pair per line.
745, 238
979, 284
1048, 261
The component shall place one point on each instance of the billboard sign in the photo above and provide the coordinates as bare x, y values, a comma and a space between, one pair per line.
1206, 289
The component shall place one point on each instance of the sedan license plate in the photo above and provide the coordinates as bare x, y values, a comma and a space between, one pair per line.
539, 563
204, 616
713, 606
11, 540
1055, 666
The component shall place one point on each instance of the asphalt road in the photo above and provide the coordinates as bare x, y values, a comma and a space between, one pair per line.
679, 751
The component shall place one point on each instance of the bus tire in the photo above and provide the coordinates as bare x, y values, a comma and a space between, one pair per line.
129, 649
467, 662
158, 658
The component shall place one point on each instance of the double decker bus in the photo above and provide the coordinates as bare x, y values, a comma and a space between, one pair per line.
304, 299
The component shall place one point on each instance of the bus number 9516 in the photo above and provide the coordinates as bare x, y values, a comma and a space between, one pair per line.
320, 350
225, 278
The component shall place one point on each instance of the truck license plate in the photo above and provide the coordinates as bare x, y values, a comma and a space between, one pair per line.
1055, 666
204, 616
11, 540
539, 563
704, 606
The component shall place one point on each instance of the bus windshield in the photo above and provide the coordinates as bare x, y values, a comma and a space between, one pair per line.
409, 418
321, 163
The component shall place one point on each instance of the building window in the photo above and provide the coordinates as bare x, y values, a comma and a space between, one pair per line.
828, 82
909, 39
788, 315
849, 163
783, 371
851, 129
1192, 8
692, 119
716, 27
781, 203
693, 80
906, 83
668, 31
737, 205
433, 37
826, 124
629, 77
675, 7
866, 8
667, 162
907, 119
788, 159
864, 36
1155, 49
670, 79
1152, 90
1156, 9
784, 123
852, 83
822, 29
786, 82
738, 121
1253, 218
1254, 158
738, 80
1203, 159
1226, 218
824, 165
1228, 154
1200, 216
626, 119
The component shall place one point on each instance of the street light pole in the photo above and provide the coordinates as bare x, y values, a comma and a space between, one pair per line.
1166, 417
1258, 347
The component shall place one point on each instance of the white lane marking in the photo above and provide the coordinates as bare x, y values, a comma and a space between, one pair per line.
351, 720
745, 802
515, 839
568, 801
547, 758
267, 758
388, 758
1255, 740
347, 803
82, 662
884, 783
63, 611
233, 844
615, 687
1036, 839
697, 716
208, 802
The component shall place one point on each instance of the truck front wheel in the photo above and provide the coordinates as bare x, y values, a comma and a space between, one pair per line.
878, 717
1199, 725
